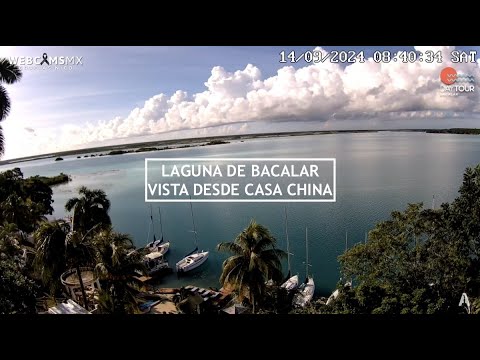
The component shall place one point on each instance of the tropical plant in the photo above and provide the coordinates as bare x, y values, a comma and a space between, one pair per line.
10, 239
50, 256
419, 261
18, 292
90, 209
23, 202
255, 260
118, 267
79, 252
9, 74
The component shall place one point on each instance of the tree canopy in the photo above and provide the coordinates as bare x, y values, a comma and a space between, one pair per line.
255, 260
418, 262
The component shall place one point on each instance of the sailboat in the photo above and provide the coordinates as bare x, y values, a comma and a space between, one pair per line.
162, 247
348, 283
195, 258
157, 246
307, 289
292, 281
155, 264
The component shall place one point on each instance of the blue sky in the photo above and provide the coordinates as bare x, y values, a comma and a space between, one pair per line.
129, 94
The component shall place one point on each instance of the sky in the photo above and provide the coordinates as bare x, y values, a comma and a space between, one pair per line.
132, 94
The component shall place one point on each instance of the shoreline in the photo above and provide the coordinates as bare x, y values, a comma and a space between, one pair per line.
214, 140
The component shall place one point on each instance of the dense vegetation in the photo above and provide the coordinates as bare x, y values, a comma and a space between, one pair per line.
9, 74
255, 261
53, 180
23, 202
418, 262
32, 265
463, 131
118, 152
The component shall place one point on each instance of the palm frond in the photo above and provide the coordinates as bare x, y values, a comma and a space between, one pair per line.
2, 142
230, 247
266, 241
4, 103
70, 204
9, 73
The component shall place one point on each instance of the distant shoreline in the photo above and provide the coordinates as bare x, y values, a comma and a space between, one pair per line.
214, 140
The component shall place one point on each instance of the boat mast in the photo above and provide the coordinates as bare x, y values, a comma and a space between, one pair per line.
306, 251
433, 202
193, 221
346, 240
153, 224
161, 225
288, 243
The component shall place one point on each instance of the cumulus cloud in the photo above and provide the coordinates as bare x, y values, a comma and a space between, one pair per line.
323, 92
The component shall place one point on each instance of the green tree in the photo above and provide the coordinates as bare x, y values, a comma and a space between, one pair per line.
18, 292
9, 74
90, 209
117, 268
39, 193
10, 239
24, 202
419, 261
255, 260
405, 267
79, 252
50, 256
10, 182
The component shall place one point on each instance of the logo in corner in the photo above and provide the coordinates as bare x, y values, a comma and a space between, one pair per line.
448, 76
455, 83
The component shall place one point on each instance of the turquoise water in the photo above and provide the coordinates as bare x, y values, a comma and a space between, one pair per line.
376, 173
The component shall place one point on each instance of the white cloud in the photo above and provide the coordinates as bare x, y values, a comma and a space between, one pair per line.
324, 92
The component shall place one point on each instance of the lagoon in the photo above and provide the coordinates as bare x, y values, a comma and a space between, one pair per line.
376, 173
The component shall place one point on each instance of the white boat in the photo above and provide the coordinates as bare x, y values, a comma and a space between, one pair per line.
195, 258
305, 295
157, 245
192, 261
155, 263
292, 282
307, 289
153, 244
334, 295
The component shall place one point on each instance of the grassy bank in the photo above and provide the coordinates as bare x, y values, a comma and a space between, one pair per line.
53, 180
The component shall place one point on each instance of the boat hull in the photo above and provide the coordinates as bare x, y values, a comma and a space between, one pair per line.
192, 261
305, 295
291, 283
157, 245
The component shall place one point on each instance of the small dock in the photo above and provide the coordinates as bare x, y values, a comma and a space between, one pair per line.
216, 297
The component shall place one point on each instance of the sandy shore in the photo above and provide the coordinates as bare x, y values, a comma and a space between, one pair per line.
165, 307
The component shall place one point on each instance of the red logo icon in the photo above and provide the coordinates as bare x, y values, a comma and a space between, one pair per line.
448, 76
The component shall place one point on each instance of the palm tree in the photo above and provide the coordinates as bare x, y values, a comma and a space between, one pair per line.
255, 260
50, 258
79, 252
117, 268
9, 74
90, 208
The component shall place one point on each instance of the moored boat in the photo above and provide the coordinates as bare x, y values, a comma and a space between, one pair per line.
292, 282
307, 289
196, 257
